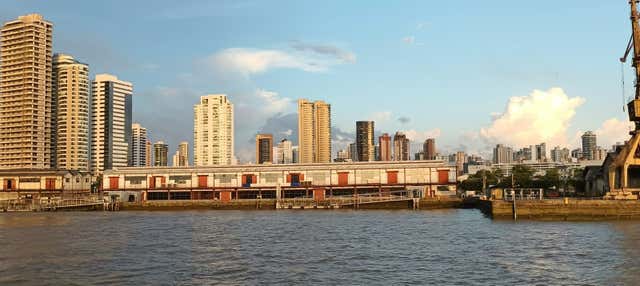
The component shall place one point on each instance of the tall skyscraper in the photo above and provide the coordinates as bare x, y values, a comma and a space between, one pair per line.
560, 155
26, 68
400, 147
138, 146
181, 158
314, 131
365, 143
429, 149
589, 145
264, 148
541, 152
385, 147
148, 154
284, 152
111, 113
353, 152
213, 131
461, 158
160, 153
502, 154
70, 113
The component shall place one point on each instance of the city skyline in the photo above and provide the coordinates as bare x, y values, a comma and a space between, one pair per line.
161, 83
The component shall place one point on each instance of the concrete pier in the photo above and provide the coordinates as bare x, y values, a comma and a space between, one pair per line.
563, 209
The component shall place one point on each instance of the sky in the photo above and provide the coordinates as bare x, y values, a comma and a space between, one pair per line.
469, 73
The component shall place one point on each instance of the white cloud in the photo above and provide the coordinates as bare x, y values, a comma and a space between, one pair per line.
254, 61
421, 136
304, 57
613, 131
542, 116
273, 102
287, 132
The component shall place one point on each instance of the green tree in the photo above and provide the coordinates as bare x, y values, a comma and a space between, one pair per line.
522, 175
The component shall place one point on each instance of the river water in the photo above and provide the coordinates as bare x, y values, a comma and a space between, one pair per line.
448, 247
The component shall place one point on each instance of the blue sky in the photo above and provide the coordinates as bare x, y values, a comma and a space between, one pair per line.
447, 69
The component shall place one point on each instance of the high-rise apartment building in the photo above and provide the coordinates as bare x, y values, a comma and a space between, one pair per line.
461, 159
213, 131
149, 154
365, 142
181, 157
502, 154
111, 113
26, 67
342, 156
160, 153
314, 131
284, 153
560, 155
400, 147
429, 149
353, 152
264, 148
541, 152
384, 141
138, 146
589, 145
70, 85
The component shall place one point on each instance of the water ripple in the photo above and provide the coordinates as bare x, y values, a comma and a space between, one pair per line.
449, 247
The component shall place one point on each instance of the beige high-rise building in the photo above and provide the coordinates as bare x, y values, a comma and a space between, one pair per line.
26, 93
71, 113
213, 131
148, 154
138, 146
181, 157
314, 131
401, 147
111, 112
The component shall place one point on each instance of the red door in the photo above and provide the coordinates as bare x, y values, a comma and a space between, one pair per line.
202, 181
343, 178
443, 176
318, 195
50, 184
225, 196
152, 182
392, 177
113, 183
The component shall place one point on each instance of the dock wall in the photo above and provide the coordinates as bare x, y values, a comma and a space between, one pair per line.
559, 209
267, 204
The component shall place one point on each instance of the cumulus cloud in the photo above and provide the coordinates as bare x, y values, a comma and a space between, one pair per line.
273, 103
421, 136
324, 49
341, 139
542, 116
613, 131
282, 126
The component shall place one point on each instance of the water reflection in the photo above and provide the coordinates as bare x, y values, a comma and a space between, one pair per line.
317, 247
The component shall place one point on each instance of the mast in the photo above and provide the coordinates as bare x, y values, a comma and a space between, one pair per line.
633, 106
635, 36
